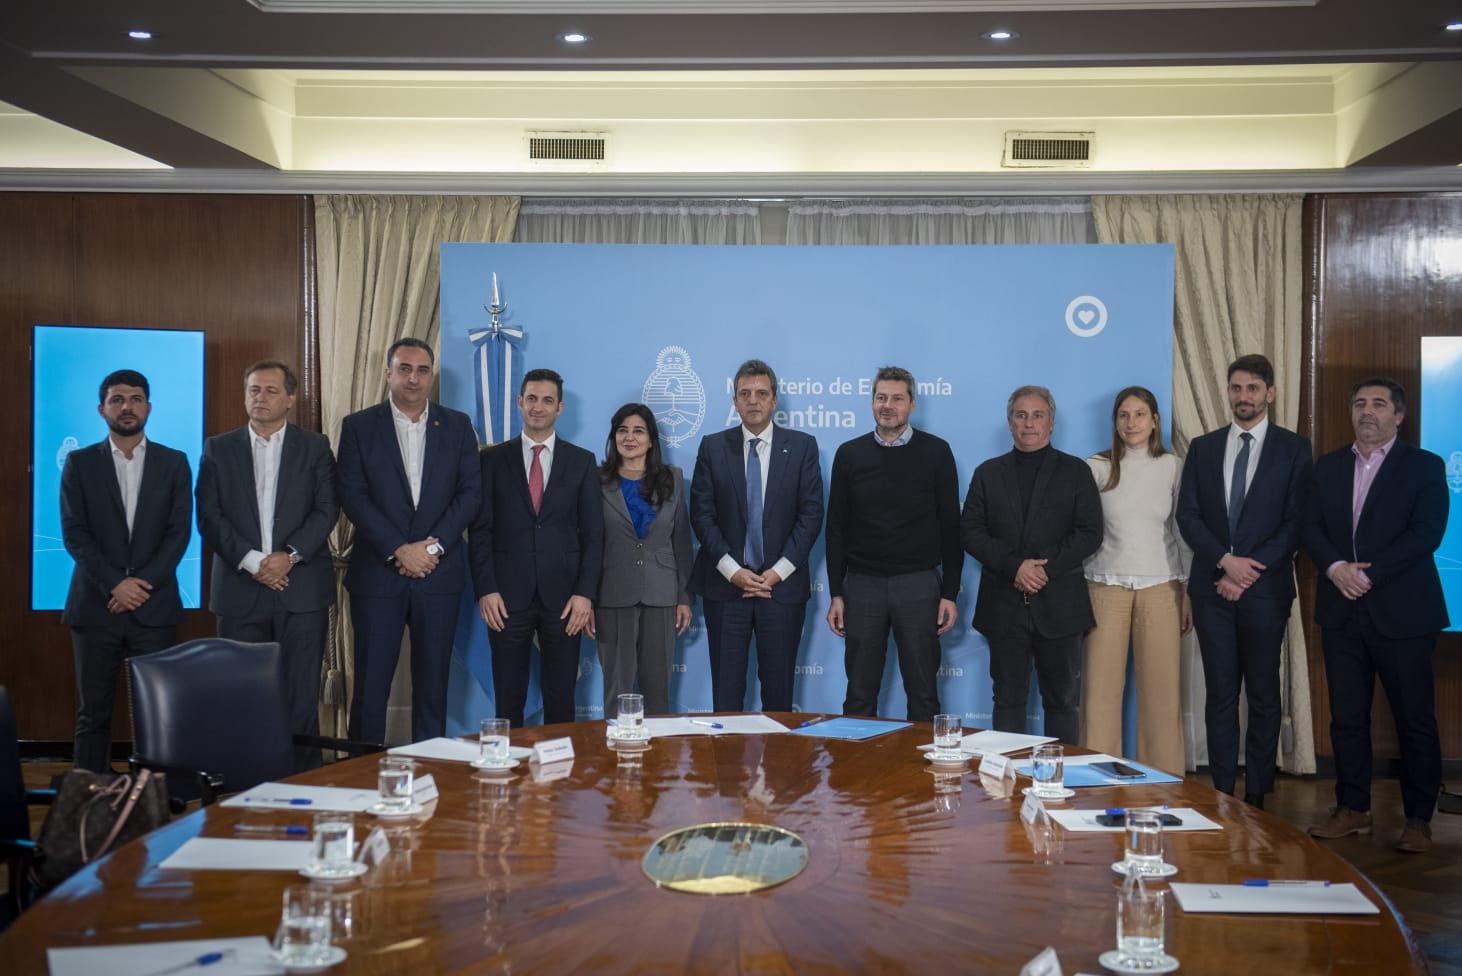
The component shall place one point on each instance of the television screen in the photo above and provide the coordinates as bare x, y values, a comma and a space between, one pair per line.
1441, 433
69, 363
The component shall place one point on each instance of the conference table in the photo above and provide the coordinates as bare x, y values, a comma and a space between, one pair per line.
909, 870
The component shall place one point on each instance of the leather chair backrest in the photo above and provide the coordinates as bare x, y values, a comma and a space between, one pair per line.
14, 812
216, 705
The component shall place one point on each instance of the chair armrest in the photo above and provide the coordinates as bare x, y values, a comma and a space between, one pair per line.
351, 746
209, 784
40, 798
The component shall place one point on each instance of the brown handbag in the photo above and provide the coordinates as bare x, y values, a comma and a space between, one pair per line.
92, 813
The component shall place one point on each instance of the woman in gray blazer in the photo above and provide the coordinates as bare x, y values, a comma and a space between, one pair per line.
643, 597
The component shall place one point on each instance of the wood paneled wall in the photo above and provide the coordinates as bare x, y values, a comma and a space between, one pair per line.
233, 266
1385, 270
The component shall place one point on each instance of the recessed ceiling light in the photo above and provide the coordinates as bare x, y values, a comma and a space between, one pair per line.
1000, 35
573, 37
140, 35
1455, 26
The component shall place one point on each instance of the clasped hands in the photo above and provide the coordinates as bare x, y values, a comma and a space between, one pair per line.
413, 560
1350, 579
274, 571
755, 585
129, 594
1031, 577
1239, 573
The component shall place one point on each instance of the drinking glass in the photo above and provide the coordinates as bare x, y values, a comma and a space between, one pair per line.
948, 731
332, 845
493, 742
303, 938
1047, 762
1140, 943
630, 723
396, 778
1143, 854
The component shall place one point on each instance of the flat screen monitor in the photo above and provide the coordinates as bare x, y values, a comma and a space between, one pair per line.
1441, 433
69, 364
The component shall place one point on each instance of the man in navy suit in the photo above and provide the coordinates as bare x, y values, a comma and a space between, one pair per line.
756, 506
266, 506
1239, 510
1376, 515
537, 548
407, 477
126, 505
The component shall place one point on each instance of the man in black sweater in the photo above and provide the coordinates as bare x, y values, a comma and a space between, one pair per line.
892, 522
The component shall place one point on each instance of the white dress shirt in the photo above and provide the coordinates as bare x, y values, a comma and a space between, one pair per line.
266, 454
129, 476
728, 565
545, 457
411, 438
1231, 454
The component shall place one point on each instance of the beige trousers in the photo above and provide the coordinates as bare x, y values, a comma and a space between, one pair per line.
1150, 619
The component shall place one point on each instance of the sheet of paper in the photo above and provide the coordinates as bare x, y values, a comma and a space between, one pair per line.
304, 799
1078, 773
241, 957
453, 750
702, 725
659, 727
1313, 898
849, 728
748, 724
997, 743
230, 854
1084, 821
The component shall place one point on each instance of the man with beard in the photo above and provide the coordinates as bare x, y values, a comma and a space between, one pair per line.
126, 506
1239, 508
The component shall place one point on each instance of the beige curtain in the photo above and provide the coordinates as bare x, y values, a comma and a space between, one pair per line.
1238, 290
377, 278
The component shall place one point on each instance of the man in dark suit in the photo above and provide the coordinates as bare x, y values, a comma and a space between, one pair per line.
1376, 514
1031, 517
537, 549
756, 506
126, 506
1239, 511
266, 506
407, 477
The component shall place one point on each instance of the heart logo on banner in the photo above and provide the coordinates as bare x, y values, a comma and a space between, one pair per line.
1086, 315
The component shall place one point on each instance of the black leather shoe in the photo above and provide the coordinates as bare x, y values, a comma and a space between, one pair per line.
1255, 800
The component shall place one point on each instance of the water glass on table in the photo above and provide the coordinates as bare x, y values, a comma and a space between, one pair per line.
332, 845
1141, 943
1143, 853
493, 742
1048, 769
303, 937
630, 722
948, 733
395, 780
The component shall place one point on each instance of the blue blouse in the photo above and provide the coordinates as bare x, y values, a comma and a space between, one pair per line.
641, 512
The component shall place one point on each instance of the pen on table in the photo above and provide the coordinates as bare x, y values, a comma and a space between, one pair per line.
709, 725
207, 959
293, 801
811, 721
1266, 883
271, 829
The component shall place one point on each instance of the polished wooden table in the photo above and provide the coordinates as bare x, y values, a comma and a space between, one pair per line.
910, 872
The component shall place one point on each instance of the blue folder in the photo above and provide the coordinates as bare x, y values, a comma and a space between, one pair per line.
850, 728
1083, 775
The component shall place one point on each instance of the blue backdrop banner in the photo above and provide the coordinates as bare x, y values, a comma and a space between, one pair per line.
668, 325
1441, 433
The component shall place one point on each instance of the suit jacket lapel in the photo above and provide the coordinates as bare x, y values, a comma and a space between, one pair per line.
390, 445
114, 488
435, 442
778, 459
243, 446
1010, 483
148, 490
614, 498
736, 460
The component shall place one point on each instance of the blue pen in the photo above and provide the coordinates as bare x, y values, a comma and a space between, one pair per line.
271, 829
293, 801
207, 959
1266, 883
709, 725
811, 721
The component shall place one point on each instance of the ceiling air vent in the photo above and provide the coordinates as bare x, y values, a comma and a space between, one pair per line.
566, 147
1048, 150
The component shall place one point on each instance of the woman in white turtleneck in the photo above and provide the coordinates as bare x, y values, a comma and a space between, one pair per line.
1136, 582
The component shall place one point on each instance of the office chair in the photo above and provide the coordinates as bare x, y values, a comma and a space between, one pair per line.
211, 714
16, 846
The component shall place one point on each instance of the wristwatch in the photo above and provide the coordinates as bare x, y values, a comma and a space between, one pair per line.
294, 556
435, 549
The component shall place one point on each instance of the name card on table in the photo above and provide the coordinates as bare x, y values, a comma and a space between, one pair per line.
375, 847
424, 790
1044, 964
993, 764
553, 750
1032, 809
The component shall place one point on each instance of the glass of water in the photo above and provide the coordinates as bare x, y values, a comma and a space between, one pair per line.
303, 938
630, 723
948, 731
332, 845
395, 780
493, 742
1140, 941
1047, 769
1143, 853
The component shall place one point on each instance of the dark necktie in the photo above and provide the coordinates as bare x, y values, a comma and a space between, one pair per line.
535, 478
753, 506
1236, 486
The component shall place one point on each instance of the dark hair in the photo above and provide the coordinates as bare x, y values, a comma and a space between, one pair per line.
1254, 363
754, 367
895, 374
542, 376
124, 377
659, 483
1119, 446
410, 343
290, 383
1398, 392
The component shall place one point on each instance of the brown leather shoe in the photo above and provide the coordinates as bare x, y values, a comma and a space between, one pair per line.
1416, 837
1342, 823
